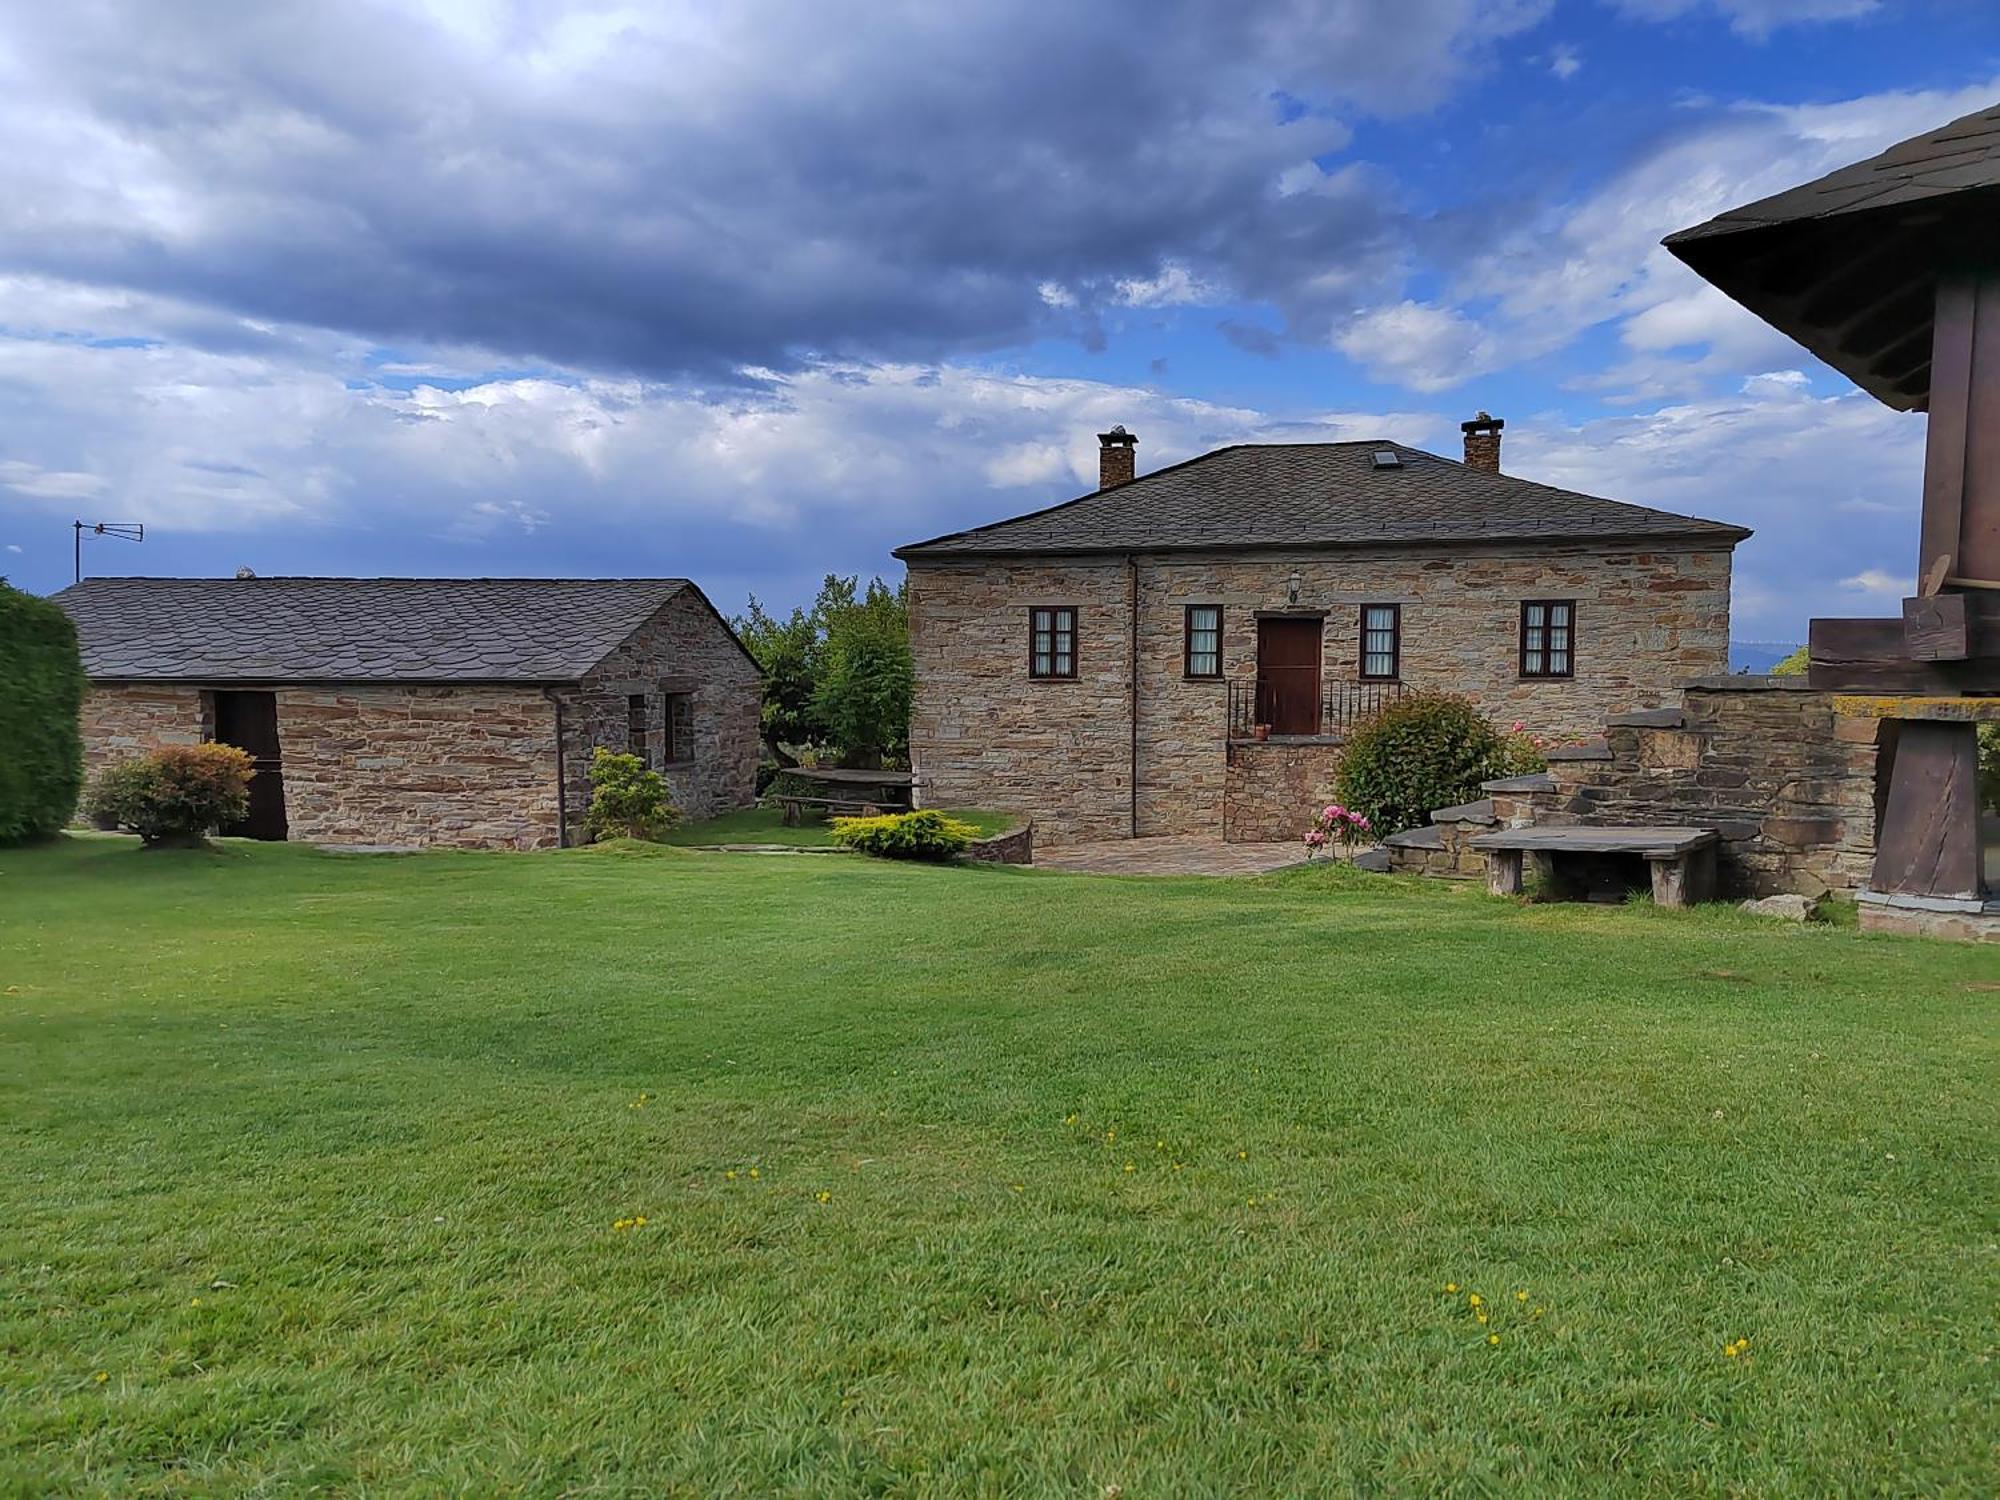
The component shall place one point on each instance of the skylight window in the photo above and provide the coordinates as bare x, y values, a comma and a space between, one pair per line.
1388, 458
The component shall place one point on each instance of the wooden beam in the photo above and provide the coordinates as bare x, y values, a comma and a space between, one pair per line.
1928, 842
1935, 629
1874, 656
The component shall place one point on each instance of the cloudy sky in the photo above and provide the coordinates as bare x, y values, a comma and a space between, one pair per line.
752, 291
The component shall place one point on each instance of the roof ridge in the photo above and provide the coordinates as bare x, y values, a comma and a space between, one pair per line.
1316, 494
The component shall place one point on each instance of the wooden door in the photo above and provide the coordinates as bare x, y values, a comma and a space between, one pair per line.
1288, 657
249, 721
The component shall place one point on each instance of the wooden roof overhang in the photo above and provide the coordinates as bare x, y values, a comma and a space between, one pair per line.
1857, 289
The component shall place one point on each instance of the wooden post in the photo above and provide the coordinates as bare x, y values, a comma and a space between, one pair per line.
1928, 844
1503, 872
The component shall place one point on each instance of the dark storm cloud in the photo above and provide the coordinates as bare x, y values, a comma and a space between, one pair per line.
696, 188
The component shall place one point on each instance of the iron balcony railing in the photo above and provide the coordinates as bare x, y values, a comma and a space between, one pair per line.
1342, 705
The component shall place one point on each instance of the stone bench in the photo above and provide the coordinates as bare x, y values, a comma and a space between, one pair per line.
1681, 861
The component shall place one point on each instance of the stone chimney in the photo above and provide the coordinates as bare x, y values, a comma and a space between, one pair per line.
1482, 442
1118, 457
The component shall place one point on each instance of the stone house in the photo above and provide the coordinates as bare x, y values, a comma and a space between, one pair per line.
1182, 653
443, 712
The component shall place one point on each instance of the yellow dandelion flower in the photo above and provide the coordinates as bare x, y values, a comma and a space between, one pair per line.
1482, 1318
1110, 1136
824, 1196
1730, 1351
194, 1302
1243, 1156
1178, 1165
1538, 1312
1493, 1338
1451, 1288
640, 1222
730, 1175
755, 1174
101, 1376
1018, 1187
1130, 1168
1069, 1119
1520, 1296
1159, 1145
1473, 1299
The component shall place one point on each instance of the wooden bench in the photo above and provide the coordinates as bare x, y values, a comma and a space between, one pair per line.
1680, 860
793, 809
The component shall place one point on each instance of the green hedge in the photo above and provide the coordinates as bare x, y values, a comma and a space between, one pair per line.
1421, 752
41, 694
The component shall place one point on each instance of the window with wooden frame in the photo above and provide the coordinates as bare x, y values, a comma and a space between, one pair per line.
1052, 641
635, 724
678, 721
1201, 655
1548, 638
1381, 642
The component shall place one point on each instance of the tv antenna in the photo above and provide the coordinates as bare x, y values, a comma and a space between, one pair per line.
125, 531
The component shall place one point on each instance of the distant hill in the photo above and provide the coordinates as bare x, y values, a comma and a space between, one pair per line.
1758, 656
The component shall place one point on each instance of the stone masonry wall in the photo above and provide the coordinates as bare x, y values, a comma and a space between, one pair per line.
1789, 784
396, 764
984, 734
417, 766
1272, 790
121, 720
684, 648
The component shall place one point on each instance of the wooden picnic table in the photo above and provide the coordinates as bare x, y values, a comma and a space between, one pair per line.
1681, 861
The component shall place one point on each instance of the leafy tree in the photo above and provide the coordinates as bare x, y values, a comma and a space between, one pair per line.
1793, 665
789, 651
869, 679
836, 675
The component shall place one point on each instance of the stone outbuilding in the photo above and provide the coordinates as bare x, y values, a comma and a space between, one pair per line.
1183, 652
411, 712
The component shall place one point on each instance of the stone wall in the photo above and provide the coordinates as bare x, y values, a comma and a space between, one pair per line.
394, 764
415, 766
121, 720
1273, 789
985, 735
1787, 781
683, 648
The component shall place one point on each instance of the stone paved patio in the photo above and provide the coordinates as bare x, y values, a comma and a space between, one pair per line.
1170, 856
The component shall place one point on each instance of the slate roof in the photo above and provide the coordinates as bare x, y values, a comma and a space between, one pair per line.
1848, 264
1273, 495
1951, 159
357, 629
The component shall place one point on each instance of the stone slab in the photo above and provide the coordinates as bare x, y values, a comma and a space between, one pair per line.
1652, 843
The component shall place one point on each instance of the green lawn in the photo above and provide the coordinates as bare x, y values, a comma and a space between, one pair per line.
973, 1181
765, 825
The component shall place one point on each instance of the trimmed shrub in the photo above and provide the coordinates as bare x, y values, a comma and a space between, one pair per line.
1989, 766
924, 834
177, 794
1422, 751
41, 694
627, 801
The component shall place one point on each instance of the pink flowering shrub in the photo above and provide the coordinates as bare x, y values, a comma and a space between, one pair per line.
1336, 825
